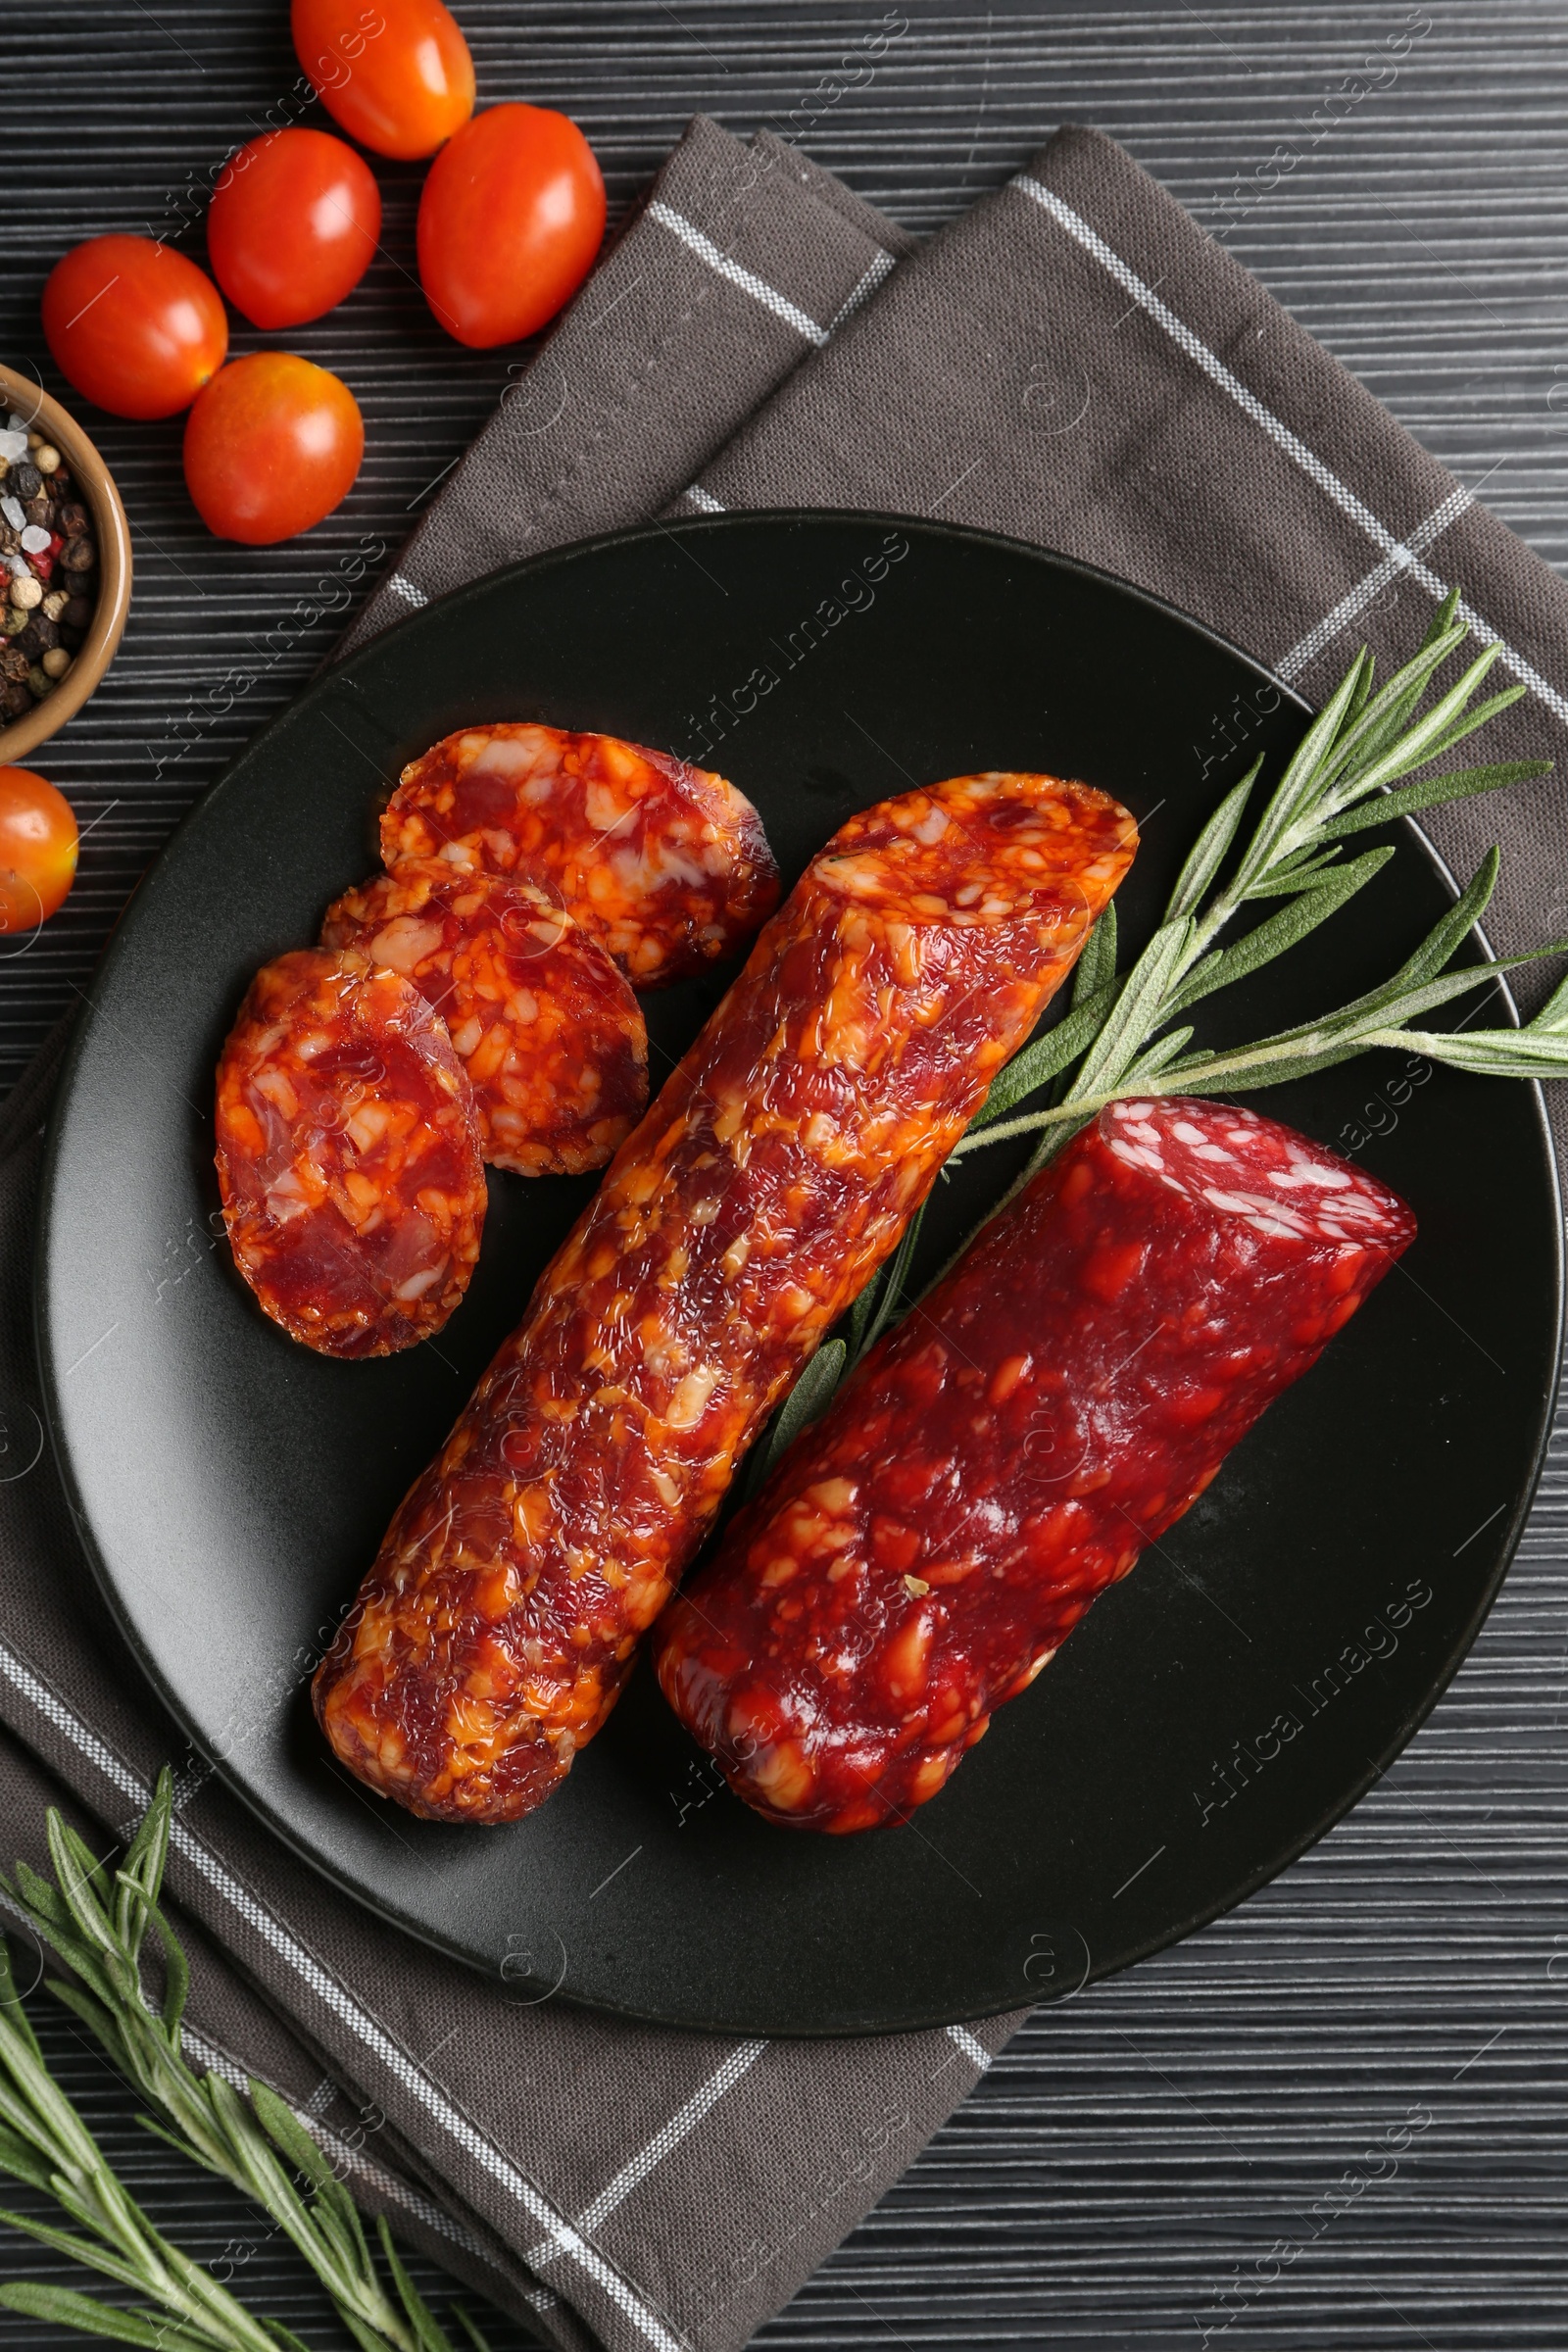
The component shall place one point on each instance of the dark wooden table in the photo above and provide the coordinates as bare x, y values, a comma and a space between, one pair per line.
1196, 2151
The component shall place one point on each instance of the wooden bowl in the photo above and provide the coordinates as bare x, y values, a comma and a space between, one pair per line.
24, 397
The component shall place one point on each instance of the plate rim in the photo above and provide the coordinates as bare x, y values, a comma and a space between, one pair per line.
335, 670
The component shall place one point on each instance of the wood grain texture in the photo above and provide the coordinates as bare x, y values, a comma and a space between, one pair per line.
1171, 2157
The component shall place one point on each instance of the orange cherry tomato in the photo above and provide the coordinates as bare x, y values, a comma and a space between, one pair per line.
133, 326
397, 75
293, 222
273, 444
38, 848
509, 222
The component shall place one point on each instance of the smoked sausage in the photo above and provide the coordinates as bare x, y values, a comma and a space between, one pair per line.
777, 1169
1007, 1453
348, 1155
666, 866
552, 1038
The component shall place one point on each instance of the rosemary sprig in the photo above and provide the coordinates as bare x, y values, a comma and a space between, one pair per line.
1124, 1035
45, 2143
97, 1922
1338, 783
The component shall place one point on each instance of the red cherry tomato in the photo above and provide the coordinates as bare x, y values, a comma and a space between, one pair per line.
396, 74
292, 226
133, 326
509, 222
273, 444
38, 848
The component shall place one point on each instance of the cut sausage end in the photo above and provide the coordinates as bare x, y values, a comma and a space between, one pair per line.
1235, 1165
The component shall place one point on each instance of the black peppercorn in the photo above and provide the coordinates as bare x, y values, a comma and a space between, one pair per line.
78, 554
14, 697
37, 637
78, 614
72, 521
24, 481
40, 511
13, 665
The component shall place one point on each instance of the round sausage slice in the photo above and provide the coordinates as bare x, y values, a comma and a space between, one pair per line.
666, 866
549, 1031
348, 1155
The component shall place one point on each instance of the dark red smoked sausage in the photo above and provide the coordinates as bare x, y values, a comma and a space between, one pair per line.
1007, 1453
348, 1155
665, 865
779, 1166
550, 1036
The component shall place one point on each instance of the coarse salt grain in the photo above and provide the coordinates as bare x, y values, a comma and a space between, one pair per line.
35, 539
11, 509
13, 444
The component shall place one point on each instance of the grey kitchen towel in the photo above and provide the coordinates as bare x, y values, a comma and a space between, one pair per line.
742, 261
1074, 363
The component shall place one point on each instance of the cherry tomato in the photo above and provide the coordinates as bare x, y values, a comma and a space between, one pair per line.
133, 326
38, 848
273, 444
396, 74
509, 222
292, 226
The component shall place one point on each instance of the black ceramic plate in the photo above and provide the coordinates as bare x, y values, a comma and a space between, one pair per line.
1215, 1712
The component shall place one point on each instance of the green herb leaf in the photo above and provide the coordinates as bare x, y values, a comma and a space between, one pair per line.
1097, 965
1034, 1063
895, 1280
809, 1397
84, 2250
63, 2307
1488, 1053
1384, 718
1207, 854
1301, 786
141, 1877
1460, 784
1296, 874
430, 2337
1137, 1010
1281, 931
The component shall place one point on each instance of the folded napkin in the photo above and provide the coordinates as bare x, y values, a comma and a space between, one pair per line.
1072, 361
